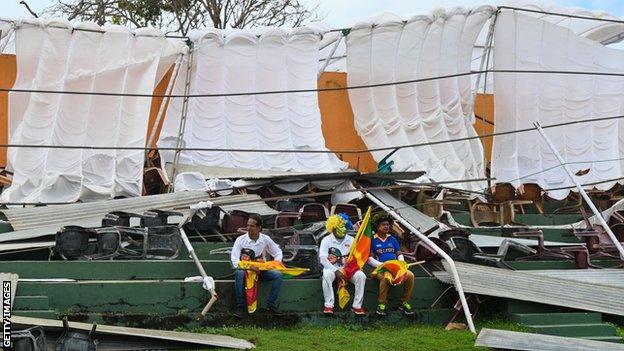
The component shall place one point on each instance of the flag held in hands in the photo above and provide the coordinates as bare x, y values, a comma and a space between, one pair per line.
393, 270
358, 255
251, 278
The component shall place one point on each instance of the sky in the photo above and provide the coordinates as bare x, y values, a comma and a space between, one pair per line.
343, 13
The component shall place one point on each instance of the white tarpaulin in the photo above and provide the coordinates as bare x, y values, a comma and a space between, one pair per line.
52, 56
388, 50
239, 62
527, 43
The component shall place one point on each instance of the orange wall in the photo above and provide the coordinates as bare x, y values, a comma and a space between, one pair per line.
484, 121
337, 122
160, 89
7, 79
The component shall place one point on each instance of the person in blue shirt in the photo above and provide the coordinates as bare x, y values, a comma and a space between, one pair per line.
386, 247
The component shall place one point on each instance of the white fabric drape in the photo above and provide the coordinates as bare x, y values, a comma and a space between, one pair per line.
242, 61
388, 50
52, 56
527, 43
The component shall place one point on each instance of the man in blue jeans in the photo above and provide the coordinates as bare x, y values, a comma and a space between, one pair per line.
250, 246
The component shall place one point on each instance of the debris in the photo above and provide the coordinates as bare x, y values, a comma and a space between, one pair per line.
508, 340
165, 336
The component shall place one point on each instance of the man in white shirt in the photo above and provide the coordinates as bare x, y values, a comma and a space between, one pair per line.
333, 251
254, 245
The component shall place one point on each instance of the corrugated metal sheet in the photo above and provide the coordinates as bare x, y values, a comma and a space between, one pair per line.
524, 286
509, 340
610, 277
36, 221
246, 173
164, 335
495, 241
416, 218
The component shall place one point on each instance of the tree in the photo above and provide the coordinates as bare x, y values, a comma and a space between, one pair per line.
183, 15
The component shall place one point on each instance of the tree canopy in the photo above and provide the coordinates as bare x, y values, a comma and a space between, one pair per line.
181, 16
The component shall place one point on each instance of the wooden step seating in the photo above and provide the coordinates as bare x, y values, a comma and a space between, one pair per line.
549, 320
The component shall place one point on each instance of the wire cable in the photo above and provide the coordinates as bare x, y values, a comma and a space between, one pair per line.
353, 151
312, 90
561, 14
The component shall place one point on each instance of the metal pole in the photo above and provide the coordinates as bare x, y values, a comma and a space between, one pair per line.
439, 251
591, 205
187, 87
331, 54
485, 60
193, 255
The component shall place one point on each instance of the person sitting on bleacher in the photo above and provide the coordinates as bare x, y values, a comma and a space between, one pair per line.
385, 247
251, 246
333, 250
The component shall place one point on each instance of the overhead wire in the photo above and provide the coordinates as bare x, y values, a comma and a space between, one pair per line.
312, 90
599, 19
353, 151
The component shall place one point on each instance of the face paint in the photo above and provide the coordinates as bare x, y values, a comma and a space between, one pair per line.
340, 232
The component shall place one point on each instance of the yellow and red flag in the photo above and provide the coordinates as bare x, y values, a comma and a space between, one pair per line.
393, 270
251, 278
251, 289
358, 255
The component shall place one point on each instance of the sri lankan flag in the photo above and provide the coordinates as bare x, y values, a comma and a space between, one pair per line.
358, 255
393, 270
251, 278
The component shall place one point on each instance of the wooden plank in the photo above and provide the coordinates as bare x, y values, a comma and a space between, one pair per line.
166, 335
509, 340
117, 270
174, 297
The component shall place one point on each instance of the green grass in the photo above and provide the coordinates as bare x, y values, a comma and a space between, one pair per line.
380, 337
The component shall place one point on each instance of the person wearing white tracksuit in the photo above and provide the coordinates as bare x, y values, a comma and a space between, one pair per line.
333, 251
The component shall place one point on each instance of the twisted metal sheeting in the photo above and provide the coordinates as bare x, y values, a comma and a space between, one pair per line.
508, 340
37, 221
540, 288
610, 277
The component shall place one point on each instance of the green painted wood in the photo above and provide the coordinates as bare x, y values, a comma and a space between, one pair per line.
264, 319
615, 339
26, 303
575, 330
517, 306
117, 270
556, 318
127, 270
174, 297
48, 314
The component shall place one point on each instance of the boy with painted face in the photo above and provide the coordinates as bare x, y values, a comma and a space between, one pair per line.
333, 250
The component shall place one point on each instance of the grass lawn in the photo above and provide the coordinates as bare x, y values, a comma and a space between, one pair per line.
380, 337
